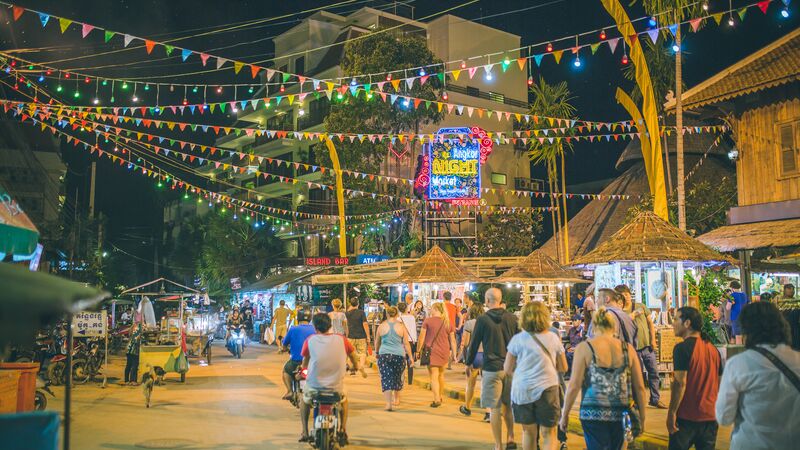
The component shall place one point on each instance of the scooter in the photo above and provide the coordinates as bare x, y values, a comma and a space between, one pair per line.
327, 434
42, 387
297, 385
236, 341
87, 365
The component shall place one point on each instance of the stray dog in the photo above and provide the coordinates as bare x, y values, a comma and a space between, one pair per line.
153, 376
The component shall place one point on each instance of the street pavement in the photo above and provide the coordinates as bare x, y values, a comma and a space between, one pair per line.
235, 405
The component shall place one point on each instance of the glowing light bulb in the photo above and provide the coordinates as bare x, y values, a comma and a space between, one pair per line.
87, 80
250, 90
405, 102
282, 88
41, 78
76, 94
603, 35
463, 64
422, 72
96, 101
369, 95
730, 21
301, 112
625, 59
506, 61
353, 82
785, 12
705, 6
577, 62
135, 99
124, 85
146, 86
339, 96
489, 76
444, 95
652, 22
219, 89
549, 47
389, 77
530, 81
194, 89
185, 102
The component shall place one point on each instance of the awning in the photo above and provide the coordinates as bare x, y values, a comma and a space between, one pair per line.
353, 278
18, 235
278, 280
749, 236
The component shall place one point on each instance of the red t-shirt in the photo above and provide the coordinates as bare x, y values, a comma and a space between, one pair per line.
703, 366
452, 310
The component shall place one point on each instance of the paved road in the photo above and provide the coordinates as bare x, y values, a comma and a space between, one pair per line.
235, 405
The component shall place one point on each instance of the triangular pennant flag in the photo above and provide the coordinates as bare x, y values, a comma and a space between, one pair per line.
396, 85
763, 5
695, 23
44, 18
557, 55
64, 23
673, 29
237, 66
254, 71
204, 58
126, 40
717, 17
169, 49
471, 71
221, 62
653, 35
107, 35
17, 11
612, 44
86, 29
742, 12
594, 47
538, 59
148, 44
286, 76
185, 53
521, 63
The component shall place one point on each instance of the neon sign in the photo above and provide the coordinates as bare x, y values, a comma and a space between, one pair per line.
453, 166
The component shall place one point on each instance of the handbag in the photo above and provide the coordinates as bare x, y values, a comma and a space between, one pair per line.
409, 366
793, 378
425, 354
631, 410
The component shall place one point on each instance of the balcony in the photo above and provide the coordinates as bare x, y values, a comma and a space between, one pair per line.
529, 184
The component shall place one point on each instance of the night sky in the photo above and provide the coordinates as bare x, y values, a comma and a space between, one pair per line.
129, 200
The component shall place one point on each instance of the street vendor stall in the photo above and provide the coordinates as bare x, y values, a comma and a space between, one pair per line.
432, 275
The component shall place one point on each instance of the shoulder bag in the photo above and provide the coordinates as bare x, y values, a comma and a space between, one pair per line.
555, 366
425, 354
633, 412
793, 378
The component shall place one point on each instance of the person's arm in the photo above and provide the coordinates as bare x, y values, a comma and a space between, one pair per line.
465, 338
637, 383
366, 326
474, 342
651, 326
727, 398
582, 353
453, 351
510, 363
407, 345
421, 339
378, 338
285, 342
306, 354
344, 324
677, 389
561, 363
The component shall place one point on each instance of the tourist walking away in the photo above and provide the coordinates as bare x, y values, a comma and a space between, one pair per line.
735, 304
624, 328
493, 331
358, 330
410, 323
393, 350
324, 355
338, 317
535, 358
132, 355
760, 389
280, 319
293, 343
695, 382
646, 339
607, 372
473, 370
438, 344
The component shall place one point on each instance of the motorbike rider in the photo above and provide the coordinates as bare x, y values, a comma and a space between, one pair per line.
325, 355
234, 322
293, 343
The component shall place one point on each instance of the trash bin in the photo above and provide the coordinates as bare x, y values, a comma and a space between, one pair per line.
9, 382
36, 430
26, 384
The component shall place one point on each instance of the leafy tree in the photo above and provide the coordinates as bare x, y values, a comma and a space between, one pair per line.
706, 205
370, 115
709, 291
662, 73
510, 234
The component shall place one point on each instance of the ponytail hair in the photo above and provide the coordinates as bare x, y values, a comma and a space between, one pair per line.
603, 320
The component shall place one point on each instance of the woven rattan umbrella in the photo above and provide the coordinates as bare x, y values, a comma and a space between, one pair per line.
536, 268
649, 238
436, 266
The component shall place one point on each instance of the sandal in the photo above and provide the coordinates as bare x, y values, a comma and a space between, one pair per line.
305, 439
511, 446
436, 404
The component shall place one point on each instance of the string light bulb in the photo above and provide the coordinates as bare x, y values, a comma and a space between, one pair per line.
577, 62
124, 84
625, 60
549, 47
388, 77
185, 102
96, 101
463, 64
219, 89
147, 87
731, 22
530, 81
444, 95
422, 72
353, 82
282, 88
652, 21
675, 47
705, 6
87, 80
603, 35
785, 12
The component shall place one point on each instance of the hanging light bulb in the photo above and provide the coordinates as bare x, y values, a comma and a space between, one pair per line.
66, 75
339, 96
353, 82
185, 102
705, 6
625, 59
146, 87
785, 12
489, 76
675, 47
104, 83
282, 89
549, 47
422, 72
301, 112
530, 81
135, 99
250, 90
731, 21
219, 89
444, 95
96, 101
463, 64
652, 21
369, 95
124, 84
87, 80
506, 61
194, 89
41, 78
603, 35
577, 62
388, 77
405, 102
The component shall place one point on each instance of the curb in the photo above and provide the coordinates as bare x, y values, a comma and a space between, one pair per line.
645, 442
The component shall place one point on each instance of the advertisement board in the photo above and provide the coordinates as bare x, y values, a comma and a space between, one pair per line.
454, 161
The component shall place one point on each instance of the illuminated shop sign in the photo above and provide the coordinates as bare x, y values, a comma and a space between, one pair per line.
454, 165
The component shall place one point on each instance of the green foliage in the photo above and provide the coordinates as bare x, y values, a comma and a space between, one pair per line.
552, 100
706, 205
710, 292
510, 234
661, 63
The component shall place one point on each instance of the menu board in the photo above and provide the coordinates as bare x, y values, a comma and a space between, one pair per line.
666, 342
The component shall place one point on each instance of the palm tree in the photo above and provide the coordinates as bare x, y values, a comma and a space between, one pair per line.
674, 12
552, 100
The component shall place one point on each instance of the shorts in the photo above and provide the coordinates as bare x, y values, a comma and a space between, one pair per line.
309, 393
544, 412
735, 328
280, 331
360, 346
290, 367
477, 363
495, 389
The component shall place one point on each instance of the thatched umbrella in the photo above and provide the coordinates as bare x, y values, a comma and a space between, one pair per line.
536, 268
648, 238
436, 266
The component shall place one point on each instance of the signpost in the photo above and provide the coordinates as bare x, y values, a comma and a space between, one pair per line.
93, 324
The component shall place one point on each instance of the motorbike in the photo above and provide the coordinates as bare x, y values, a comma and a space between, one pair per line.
328, 410
237, 340
87, 364
297, 385
57, 366
42, 388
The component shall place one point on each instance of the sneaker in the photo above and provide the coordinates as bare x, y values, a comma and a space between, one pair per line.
464, 410
659, 405
487, 418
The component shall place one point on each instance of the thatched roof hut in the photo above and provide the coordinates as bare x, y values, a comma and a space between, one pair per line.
538, 267
436, 266
650, 238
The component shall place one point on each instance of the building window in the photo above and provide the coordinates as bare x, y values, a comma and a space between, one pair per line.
300, 65
498, 178
789, 135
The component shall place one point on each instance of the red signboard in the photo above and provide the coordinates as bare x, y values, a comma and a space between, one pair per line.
328, 261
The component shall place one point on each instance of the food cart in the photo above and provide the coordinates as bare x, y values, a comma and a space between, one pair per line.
432, 275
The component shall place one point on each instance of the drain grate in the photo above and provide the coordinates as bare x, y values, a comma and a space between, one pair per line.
166, 443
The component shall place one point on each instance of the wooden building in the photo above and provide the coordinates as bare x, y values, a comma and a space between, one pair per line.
760, 98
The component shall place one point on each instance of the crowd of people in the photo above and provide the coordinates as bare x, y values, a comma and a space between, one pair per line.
609, 358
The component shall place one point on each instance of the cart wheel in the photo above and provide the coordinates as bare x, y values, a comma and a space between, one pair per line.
183, 377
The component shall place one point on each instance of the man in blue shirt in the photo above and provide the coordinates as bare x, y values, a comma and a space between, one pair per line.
737, 302
294, 340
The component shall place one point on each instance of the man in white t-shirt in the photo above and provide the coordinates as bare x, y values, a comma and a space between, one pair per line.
325, 355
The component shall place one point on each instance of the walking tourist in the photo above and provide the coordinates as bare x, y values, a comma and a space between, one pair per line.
438, 344
760, 389
695, 382
624, 328
132, 355
393, 349
535, 358
452, 315
358, 330
409, 321
607, 371
419, 314
324, 354
474, 370
293, 343
646, 338
737, 301
338, 317
280, 319
493, 332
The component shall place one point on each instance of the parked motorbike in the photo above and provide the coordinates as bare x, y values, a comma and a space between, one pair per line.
297, 385
42, 388
237, 340
57, 366
327, 433
88, 362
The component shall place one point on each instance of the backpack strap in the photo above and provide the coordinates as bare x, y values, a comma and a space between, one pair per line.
793, 378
